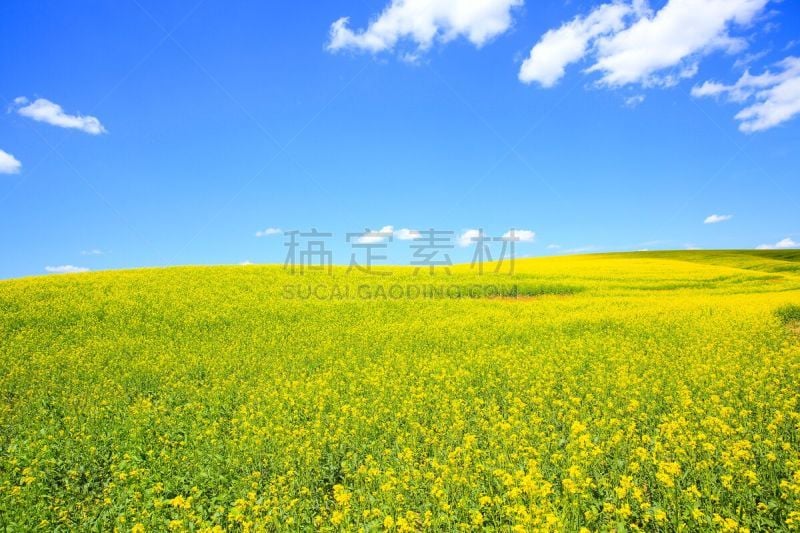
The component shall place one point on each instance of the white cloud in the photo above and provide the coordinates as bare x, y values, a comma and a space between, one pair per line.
423, 22
715, 219
375, 237
631, 44
520, 235
780, 245
774, 96
406, 234
747, 59
673, 38
467, 237
634, 101
245, 263
559, 47
65, 269
470, 236
93, 251
51, 113
9, 164
268, 232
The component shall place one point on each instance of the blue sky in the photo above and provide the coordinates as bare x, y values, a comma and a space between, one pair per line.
141, 133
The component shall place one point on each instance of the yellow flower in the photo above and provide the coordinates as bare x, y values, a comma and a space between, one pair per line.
340, 495
180, 502
665, 479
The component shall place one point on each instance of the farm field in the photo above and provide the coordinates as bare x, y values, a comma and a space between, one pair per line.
652, 391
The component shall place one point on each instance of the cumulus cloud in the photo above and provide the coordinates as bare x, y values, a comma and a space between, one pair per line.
468, 237
632, 44
51, 113
520, 235
716, 219
8, 163
780, 245
405, 234
268, 232
375, 237
559, 47
672, 39
65, 269
423, 22
772, 97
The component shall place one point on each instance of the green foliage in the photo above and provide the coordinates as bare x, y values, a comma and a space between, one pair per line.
788, 313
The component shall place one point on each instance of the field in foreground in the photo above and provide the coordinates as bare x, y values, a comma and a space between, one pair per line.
654, 391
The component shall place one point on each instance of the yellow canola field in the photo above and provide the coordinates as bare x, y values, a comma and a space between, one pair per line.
633, 391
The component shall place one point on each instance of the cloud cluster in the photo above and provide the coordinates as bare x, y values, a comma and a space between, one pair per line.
423, 22
369, 237
780, 245
405, 234
8, 163
626, 42
661, 48
65, 269
631, 44
464, 239
43, 110
716, 219
520, 235
470, 236
383, 234
375, 237
772, 97
559, 47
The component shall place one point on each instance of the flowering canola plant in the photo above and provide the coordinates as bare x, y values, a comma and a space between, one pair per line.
635, 391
